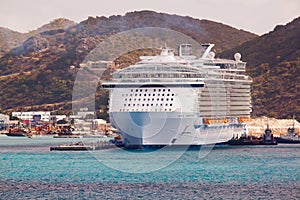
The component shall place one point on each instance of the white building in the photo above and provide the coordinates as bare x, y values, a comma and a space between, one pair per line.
4, 118
42, 115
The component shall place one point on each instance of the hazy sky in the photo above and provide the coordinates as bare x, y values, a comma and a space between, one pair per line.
257, 16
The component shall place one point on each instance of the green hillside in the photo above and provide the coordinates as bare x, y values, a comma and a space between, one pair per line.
37, 74
274, 64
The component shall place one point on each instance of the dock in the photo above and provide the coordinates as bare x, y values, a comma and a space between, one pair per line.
80, 146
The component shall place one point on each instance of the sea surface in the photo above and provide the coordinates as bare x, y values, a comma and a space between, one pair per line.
28, 170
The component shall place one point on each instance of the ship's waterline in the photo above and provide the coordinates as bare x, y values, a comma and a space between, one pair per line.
169, 128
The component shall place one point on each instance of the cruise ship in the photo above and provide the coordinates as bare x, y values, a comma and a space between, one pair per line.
180, 99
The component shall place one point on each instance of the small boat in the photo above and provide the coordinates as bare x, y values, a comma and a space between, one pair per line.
245, 139
67, 136
16, 132
291, 137
79, 146
117, 141
268, 137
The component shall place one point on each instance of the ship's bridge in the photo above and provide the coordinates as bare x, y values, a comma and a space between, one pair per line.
175, 75
175, 72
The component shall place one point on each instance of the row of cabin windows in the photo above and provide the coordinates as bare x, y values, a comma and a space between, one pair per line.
162, 99
168, 94
154, 90
148, 104
145, 110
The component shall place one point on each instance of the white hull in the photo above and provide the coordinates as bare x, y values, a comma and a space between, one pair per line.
169, 128
180, 100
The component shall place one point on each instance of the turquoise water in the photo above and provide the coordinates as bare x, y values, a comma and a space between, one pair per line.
28, 170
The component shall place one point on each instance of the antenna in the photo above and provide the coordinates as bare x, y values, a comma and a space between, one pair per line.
293, 121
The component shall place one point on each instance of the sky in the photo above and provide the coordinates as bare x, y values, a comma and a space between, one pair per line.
256, 16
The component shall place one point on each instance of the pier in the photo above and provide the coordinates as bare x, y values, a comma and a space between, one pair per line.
80, 146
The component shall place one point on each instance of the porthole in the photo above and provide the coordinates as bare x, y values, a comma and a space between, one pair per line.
172, 94
141, 90
145, 94
168, 94
169, 90
167, 99
171, 104
164, 90
162, 94
153, 94
147, 104
162, 99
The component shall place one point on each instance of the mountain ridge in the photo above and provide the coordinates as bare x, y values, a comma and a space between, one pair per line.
274, 64
41, 65
10, 39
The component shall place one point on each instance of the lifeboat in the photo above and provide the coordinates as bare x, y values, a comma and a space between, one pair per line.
244, 119
215, 121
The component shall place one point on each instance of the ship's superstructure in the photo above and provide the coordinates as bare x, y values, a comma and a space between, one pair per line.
180, 100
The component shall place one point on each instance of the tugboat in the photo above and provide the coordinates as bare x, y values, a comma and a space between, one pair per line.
268, 138
291, 137
245, 139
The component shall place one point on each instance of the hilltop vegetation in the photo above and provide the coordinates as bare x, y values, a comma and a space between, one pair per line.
274, 64
38, 69
10, 39
37, 73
